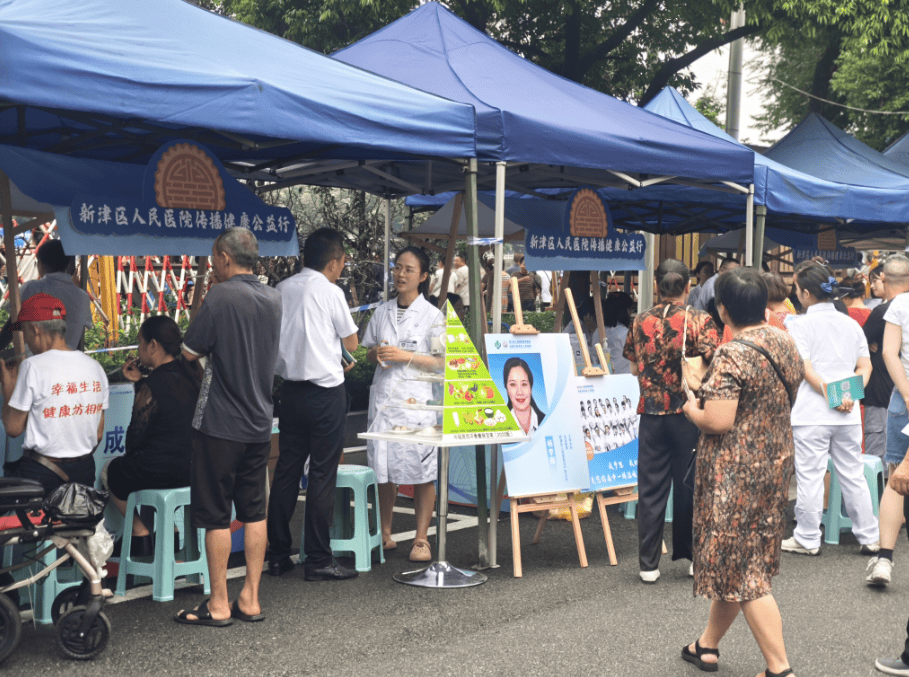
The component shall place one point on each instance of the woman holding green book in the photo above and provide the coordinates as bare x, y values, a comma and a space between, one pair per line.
834, 348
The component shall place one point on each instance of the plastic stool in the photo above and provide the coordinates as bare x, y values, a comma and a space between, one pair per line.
44, 592
163, 570
631, 508
835, 520
361, 535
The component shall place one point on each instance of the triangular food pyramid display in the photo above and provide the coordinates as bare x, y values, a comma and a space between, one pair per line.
475, 412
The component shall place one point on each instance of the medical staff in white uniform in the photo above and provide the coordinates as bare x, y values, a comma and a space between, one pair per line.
833, 347
399, 338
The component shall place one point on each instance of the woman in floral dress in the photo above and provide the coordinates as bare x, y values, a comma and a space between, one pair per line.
745, 462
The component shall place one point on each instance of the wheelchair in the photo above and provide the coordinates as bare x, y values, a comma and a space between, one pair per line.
82, 627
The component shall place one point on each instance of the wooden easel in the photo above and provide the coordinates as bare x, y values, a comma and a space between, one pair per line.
621, 495
551, 501
589, 370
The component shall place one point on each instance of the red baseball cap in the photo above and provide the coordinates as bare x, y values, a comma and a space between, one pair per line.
39, 308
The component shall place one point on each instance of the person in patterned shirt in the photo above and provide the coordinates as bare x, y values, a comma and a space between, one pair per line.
666, 439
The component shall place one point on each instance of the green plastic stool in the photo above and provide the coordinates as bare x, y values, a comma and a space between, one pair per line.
835, 519
163, 570
358, 534
631, 508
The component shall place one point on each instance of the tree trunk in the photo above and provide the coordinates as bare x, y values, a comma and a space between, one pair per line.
571, 67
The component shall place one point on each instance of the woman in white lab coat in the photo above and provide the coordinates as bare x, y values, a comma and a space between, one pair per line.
399, 340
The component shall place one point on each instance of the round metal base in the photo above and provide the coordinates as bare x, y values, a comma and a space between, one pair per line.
441, 575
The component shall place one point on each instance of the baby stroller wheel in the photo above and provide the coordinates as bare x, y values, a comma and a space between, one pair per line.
63, 602
82, 648
10, 627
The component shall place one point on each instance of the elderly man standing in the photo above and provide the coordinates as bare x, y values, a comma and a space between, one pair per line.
55, 281
315, 324
57, 397
237, 329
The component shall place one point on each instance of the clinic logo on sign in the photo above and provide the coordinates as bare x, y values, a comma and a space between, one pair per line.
588, 217
186, 178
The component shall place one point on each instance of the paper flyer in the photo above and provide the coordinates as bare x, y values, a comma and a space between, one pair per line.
837, 391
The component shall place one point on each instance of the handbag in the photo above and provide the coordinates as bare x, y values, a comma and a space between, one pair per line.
693, 368
772, 364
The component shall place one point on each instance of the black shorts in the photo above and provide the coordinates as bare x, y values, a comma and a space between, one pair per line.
126, 475
225, 472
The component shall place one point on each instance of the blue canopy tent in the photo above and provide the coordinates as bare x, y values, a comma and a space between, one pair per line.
819, 148
898, 151
114, 81
537, 130
787, 199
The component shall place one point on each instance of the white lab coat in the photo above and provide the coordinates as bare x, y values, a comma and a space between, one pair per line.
401, 462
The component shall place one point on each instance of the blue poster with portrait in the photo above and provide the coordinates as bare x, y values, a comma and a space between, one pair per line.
535, 375
585, 239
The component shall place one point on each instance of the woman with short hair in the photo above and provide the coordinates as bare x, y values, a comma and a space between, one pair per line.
742, 411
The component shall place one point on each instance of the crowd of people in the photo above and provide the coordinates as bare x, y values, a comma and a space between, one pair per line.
733, 377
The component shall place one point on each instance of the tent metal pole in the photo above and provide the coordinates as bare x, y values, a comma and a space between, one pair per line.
385, 257
12, 272
645, 285
499, 263
498, 267
749, 228
760, 219
477, 320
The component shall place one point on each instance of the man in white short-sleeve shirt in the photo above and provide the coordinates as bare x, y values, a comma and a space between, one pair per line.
315, 323
57, 397
462, 279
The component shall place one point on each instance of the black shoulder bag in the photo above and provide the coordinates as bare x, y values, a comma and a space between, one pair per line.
772, 364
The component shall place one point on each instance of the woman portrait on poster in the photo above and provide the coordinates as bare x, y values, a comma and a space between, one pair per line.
519, 387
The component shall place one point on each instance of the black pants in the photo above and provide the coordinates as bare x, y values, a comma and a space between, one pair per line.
81, 471
312, 423
665, 460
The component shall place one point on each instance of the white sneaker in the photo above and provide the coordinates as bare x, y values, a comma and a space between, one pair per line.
878, 572
650, 576
691, 570
870, 548
792, 545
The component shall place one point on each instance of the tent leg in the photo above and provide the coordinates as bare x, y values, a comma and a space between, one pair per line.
645, 285
750, 257
498, 264
760, 218
12, 271
477, 320
385, 257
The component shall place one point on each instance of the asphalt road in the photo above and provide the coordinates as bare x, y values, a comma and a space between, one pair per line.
558, 619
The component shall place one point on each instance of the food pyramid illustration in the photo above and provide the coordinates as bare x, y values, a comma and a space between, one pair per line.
474, 410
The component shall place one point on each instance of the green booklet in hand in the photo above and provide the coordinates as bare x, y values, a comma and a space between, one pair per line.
852, 388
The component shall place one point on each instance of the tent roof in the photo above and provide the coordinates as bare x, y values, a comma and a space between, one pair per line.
821, 149
44, 186
790, 190
898, 151
116, 79
527, 114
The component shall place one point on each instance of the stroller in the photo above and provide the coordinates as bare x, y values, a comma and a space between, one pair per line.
70, 516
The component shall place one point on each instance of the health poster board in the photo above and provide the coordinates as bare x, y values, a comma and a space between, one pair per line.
474, 411
536, 376
607, 411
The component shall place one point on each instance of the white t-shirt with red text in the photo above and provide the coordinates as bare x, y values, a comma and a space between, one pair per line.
64, 393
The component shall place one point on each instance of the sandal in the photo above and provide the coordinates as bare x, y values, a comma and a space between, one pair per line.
695, 658
421, 552
202, 617
249, 618
389, 545
784, 673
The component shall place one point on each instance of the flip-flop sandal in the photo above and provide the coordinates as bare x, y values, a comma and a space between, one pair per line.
695, 657
389, 545
249, 618
784, 673
202, 617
